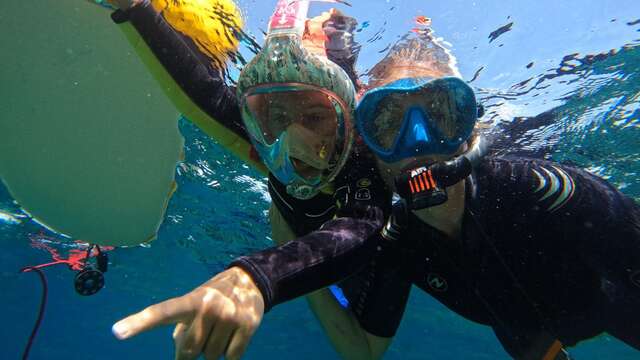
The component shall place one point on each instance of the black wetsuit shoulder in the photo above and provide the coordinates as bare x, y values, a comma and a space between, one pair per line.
539, 242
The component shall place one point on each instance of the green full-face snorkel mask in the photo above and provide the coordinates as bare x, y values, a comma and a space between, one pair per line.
297, 105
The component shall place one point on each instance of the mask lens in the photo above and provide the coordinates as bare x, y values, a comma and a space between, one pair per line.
449, 105
306, 122
269, 117
386, 125
272, 113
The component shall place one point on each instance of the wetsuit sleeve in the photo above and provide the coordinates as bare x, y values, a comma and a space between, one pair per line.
341, 246
198, 76
337, 250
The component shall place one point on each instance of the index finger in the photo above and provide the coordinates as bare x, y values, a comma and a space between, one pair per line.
167, 312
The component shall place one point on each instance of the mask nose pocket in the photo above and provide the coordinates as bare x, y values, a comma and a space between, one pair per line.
417, 122
415, 134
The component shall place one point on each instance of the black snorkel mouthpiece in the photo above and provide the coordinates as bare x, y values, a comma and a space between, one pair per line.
425, 186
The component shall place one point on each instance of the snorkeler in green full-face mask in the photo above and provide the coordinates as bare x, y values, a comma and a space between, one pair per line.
299, 115
297, 106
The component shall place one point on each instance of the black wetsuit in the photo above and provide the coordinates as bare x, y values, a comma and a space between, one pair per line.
545, 251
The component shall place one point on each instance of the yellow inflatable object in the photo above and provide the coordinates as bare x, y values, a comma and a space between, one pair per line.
88, 141
210, 24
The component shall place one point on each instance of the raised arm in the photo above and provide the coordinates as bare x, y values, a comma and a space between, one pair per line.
199, 75
191, 74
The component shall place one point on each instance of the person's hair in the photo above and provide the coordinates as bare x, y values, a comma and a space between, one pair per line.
416, 54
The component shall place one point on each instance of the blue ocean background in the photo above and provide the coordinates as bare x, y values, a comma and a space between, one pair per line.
561, 82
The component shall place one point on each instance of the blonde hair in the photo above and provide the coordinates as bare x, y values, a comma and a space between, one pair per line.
416, 54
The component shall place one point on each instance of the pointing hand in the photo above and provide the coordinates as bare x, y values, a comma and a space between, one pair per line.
215, 319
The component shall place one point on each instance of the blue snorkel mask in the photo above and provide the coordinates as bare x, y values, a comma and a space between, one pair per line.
417, 116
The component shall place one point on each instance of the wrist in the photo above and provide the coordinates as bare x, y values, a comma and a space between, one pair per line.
244, 281
246, 270
241, 277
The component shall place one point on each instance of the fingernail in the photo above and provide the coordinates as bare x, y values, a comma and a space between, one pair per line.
120, 330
